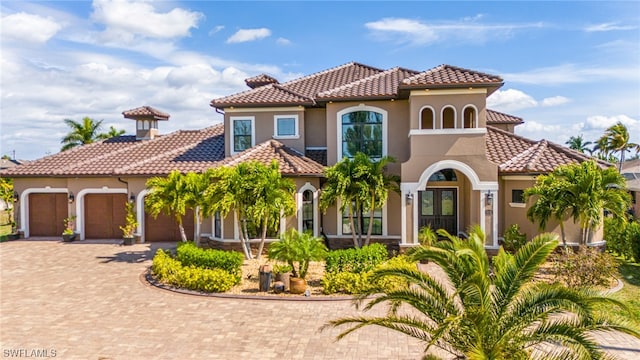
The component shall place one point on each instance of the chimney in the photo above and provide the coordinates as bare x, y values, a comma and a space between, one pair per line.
146, 119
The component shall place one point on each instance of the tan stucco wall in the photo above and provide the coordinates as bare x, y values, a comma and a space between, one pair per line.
315, 132
442, 98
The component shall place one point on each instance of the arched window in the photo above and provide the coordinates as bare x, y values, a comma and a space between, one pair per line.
307, 211
362, 132
448, 118
470, 119
427, 118
444, 175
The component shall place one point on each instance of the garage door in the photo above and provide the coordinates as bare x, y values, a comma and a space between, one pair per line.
104, 214
164, 228
47, 213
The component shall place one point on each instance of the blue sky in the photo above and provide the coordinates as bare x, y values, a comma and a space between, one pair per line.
570, 68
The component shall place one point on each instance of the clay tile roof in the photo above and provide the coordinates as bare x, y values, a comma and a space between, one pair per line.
381, 85
290, 161
495, 117
260, 80
301, 91
194, 150
145, 111
447, 75
515, 154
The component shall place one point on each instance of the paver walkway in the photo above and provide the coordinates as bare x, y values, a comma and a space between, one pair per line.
85, 300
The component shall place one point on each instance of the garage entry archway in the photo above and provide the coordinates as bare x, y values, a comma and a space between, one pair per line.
104, 214
47, 212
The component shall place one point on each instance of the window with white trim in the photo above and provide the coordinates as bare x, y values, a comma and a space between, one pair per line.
448, 118
242, 133
307, 211
427, 118
362, 132
285, 126
469, 120
376, 229
217, 225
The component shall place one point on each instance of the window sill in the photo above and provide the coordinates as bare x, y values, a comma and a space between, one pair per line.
287, 137
517, 205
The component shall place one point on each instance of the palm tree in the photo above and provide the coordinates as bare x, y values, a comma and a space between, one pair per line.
195, 186
551, 201
168, 195
86, 132
616, 139
484, 312
113, 132
360, 184
577, 143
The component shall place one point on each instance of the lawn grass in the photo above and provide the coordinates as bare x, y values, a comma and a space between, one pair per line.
630, 293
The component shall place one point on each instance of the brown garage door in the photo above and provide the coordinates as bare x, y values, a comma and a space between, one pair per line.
104, 214
164, 228
47, 213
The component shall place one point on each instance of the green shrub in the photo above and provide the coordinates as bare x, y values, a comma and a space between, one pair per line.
586, 267
191, 255
297, 250
170, 271
355, 260
358, 283
623, 238
514, 239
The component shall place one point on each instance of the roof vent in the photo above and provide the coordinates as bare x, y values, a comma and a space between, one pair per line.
146, 119
260, 80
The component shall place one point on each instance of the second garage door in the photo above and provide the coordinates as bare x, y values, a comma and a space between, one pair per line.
164, 228
46, 214
104, 214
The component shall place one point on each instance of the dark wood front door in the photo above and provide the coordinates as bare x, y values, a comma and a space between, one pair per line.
438, 209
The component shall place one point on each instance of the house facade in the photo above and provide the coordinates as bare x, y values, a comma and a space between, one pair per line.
460, 164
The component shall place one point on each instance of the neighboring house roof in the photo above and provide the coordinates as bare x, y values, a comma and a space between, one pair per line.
9, 163
447, 75
183, 150
145, 111
631, 172
290, 161
495, 117
383, 85
516, 154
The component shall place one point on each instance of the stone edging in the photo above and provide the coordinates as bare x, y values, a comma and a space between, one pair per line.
149, 279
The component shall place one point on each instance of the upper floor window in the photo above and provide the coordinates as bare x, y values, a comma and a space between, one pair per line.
427, 118
242, 133
448, 118
470, 118
285, 126
362, 132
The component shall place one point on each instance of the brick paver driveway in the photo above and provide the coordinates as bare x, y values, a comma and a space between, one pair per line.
85, 300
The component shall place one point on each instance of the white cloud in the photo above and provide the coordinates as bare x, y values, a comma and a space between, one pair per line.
602, 122
611, 26
245, 35
554, 101
510, 100
283, 41
131, 19
29, 27
572, 74
415, 32
216, 29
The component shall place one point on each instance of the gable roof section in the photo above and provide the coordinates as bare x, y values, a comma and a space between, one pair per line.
290, 161
447, 76
260, 80
383, 85
193, 150
518, 155
301, 91
495, 117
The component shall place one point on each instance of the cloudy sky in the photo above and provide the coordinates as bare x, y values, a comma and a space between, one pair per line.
570, 68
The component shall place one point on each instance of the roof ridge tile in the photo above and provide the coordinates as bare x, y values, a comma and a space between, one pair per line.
365, 79
326, 71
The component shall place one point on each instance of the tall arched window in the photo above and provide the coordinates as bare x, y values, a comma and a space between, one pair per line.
427, 118
448, 118
362, 132
470, 118
307, 211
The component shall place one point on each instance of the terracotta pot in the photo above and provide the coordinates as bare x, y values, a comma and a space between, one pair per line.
128, 240
298, 285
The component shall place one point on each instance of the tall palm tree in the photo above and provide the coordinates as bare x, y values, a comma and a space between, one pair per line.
551, 201
577, 143
113, 132
195, 186
85, 132
616, 139
168, 195
484, 312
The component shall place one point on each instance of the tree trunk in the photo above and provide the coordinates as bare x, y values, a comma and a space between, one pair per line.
359, 217
241, 235
370, 227
183, 236
352, 225
264, 236
198, 224
564, 240
621, 160
247, 242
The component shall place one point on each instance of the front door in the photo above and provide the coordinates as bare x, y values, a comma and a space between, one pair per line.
439, 209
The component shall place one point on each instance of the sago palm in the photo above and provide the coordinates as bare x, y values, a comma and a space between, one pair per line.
490, 312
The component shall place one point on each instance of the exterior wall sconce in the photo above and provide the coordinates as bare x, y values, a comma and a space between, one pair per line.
71, 198
409, 198
16, 196
132, 198
488, 198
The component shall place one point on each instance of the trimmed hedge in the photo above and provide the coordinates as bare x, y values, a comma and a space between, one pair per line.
359, 283
191, 255
623, 238
355, 260
172, 272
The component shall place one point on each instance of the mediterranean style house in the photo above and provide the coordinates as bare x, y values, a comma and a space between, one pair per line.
460, 164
